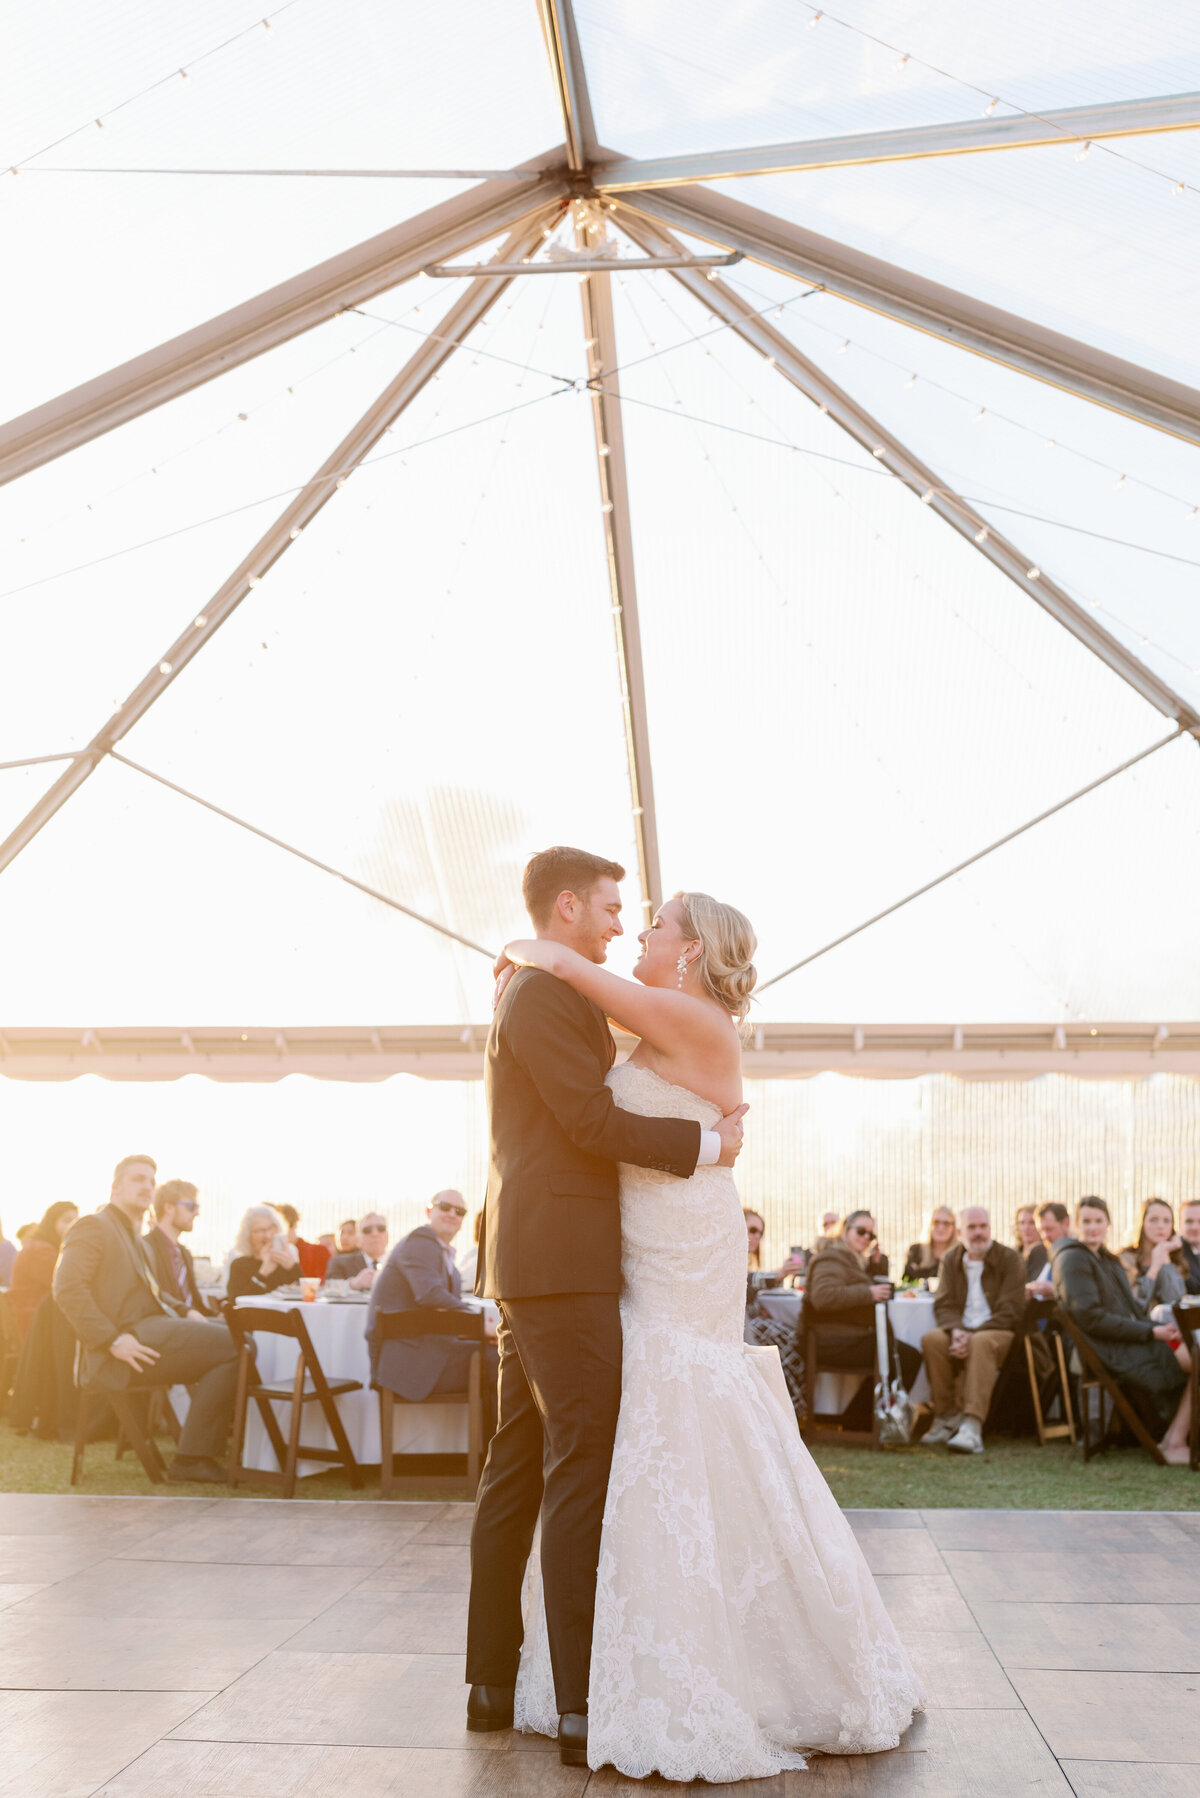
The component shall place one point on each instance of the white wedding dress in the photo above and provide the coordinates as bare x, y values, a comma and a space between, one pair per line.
737, 1624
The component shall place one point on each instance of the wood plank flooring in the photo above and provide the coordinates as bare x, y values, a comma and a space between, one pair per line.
251, 1648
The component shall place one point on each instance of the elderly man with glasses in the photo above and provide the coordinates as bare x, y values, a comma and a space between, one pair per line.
361, 1265
420, 1274
979, 1307
176, 1208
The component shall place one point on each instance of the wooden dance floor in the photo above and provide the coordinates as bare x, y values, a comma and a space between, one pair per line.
248, 1648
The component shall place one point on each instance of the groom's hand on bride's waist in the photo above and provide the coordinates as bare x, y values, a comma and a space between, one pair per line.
730, 1131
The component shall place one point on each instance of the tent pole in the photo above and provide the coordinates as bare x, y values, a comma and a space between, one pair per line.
601, 345
433, 354
731, 309
271, 318
1071, 124
958, 318
570, 81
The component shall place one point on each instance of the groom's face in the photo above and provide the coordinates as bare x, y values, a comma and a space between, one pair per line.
595, 919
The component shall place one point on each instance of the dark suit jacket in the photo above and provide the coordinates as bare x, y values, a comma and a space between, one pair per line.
104, 1285
343, 1267
416, 1276
159, 1251
1003, 1288
551, 1220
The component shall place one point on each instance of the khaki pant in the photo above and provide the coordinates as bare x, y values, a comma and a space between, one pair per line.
964, 1386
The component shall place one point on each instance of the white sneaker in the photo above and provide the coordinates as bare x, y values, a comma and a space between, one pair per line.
969, 1439
942, 1428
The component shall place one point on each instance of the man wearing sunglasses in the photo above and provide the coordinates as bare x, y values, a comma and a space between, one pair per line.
361, 1265
420, 1274
176, 1208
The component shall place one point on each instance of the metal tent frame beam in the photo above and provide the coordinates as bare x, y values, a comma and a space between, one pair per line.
732, 310
968, 137
271, 318
459, 322
601, 344
570, 82
1078, 368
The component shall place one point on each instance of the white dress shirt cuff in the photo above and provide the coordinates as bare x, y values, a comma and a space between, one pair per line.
710, 1149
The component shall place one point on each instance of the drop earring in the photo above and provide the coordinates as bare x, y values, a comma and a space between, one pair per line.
681, 968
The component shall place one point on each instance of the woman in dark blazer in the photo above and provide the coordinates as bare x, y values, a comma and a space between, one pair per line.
1092, 1288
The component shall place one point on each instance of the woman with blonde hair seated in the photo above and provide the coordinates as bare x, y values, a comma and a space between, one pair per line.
263, 1258
924, 1259
1158, 1250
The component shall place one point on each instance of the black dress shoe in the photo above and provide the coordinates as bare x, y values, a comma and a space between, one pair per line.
489, 1707
572, 1738
196, 1467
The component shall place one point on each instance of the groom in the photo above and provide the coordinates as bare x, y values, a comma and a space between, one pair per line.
550, 1254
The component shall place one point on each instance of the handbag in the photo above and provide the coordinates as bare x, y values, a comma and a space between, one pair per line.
893, 1407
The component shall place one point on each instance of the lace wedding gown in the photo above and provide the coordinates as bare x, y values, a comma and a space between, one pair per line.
737, 1624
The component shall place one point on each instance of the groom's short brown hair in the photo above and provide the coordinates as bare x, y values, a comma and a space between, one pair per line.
562, 870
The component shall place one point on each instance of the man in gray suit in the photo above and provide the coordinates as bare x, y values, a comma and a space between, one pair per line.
420, 1274
134, 1333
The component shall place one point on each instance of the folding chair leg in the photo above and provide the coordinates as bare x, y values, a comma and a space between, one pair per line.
1065, 1383
240, 1405
85, 1416
143, 1446
337, 1430
1035, 1394
297, 1419
387, 1459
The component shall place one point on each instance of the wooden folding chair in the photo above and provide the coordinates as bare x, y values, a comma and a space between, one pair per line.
395, 1326
1187, 1316
1037, 1311
827, 1426
160, 1419
1095, 1377
123, 1402
309, 1386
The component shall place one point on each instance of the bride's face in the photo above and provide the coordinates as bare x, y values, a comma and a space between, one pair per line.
662, 945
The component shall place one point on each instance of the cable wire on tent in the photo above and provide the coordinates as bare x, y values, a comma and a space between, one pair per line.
1000, 842
303, 855
260, 23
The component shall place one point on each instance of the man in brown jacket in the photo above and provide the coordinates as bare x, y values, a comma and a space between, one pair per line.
979, 1305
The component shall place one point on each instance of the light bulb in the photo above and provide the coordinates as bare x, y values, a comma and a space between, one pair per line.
1050, 442
927, 497
982, 413
201, 621
911, 381
253, 580
902, 62
1033, 574
1120, 481
164, 667
843, 347
1180, 187
815, 20
981, 534
1082, 154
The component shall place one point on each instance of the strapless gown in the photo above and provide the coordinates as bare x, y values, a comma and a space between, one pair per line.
737, 1624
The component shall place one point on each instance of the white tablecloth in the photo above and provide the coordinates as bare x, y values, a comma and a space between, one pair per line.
337, 1333
910, 1318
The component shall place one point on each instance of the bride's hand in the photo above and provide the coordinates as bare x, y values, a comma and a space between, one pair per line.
502, 979
521, 953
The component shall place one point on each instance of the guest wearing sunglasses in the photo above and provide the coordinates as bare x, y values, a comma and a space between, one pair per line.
843, 1292
176, 1208
361, 1265
420, 1274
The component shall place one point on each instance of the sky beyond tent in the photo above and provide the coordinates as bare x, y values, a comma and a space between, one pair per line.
844, 697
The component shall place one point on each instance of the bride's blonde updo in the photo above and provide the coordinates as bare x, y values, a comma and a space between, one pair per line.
727, 943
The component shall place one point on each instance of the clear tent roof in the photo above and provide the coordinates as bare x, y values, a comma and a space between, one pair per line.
846, 696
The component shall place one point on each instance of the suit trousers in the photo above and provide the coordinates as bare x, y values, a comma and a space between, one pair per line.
202, 1357
964, 1386
560, 1392
453, 1378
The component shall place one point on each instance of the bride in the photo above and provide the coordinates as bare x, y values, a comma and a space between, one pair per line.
736, 1625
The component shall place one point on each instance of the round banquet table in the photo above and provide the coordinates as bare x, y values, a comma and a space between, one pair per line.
338, 1335
911, 1315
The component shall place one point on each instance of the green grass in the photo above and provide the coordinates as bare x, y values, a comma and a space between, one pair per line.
1011, 1474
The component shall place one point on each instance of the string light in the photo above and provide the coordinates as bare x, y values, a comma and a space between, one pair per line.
989, 109
1081, 155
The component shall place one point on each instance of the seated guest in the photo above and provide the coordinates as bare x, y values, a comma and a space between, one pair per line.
468, 1258
33, 1268
831, 1223
924, 1259
760, 1278
1094, 1292
979, 1306
1054, 1223
761, 1330
132, 1333
347, 1239
314, 1257
1028, 1242
842, 1296
420, 1275
328, 1243
176, 1207
24, 1232
359, 1267
263, 1258
1189, 1229
8, 1254
1162, 1275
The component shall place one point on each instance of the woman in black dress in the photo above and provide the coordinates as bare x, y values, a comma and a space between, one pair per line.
263, 1258
924, 1259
